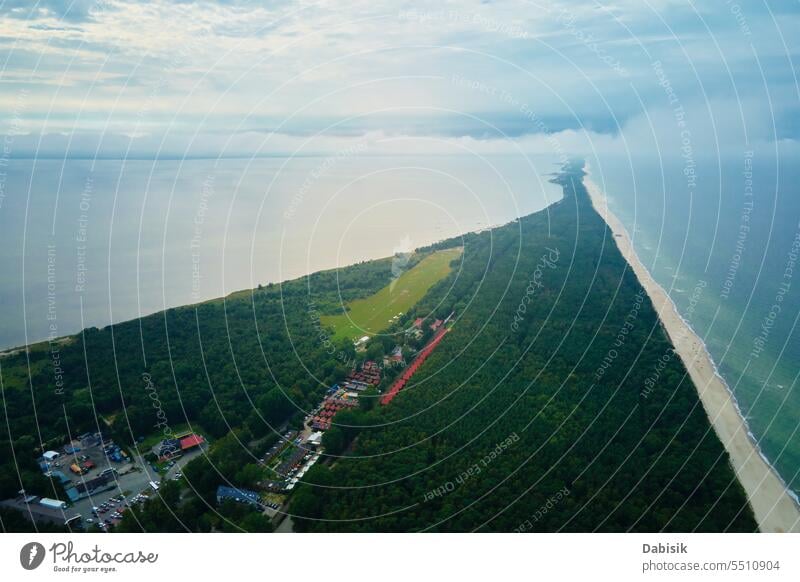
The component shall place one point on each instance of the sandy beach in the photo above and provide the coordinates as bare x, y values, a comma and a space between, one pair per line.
775, 510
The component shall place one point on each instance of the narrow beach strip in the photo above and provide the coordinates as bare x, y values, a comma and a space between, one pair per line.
774, 508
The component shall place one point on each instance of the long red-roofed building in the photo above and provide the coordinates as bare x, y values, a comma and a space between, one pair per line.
400, 383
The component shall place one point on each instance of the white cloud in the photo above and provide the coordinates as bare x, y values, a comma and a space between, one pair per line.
163, 68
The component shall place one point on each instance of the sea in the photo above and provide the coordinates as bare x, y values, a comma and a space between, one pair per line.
88, 242
722, 237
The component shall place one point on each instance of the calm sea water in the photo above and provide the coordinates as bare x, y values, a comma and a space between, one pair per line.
725, 249
85, 243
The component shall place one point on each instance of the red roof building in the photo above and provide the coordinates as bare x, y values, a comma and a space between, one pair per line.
191, 441
400, 383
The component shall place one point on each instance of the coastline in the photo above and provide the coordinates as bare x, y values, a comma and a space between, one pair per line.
772, 503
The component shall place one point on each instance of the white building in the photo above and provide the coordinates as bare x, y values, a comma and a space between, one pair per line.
315, 438
52, 503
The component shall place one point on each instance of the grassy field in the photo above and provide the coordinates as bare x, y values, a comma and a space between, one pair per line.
372, 314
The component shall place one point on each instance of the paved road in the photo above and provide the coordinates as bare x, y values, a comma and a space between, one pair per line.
286, 526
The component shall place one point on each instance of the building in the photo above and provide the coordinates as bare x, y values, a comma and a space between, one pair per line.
239, 495
321, 420
175, 447
50, 456
56, 474
400, 382
191, 441
92, 486
52, 503
315, 438
38, 513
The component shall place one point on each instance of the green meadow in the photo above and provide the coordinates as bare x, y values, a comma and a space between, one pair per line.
373, 314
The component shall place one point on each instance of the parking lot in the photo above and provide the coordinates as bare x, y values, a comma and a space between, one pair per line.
88, 458
135, 480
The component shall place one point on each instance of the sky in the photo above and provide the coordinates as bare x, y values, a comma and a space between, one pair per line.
107, 78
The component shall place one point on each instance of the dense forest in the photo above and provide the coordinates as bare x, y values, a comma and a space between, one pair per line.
531, 415
555, 404
251, 363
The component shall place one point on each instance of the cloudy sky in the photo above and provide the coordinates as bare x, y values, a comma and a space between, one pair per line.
196, 78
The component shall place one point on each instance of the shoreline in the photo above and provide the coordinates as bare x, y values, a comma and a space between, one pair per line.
45, 342
774, 506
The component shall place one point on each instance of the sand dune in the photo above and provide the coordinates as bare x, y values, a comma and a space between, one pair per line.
774, 508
